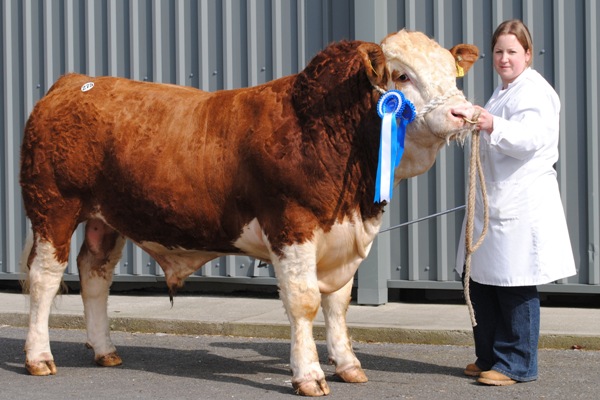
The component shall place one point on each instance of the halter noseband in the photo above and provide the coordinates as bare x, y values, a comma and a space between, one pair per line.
433, 103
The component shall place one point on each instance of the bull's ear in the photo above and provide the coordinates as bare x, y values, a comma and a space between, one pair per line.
465, 56
374, 63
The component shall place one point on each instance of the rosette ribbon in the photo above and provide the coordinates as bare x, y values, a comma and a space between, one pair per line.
396, 113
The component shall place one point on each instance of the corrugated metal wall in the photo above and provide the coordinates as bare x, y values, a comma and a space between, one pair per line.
222, 44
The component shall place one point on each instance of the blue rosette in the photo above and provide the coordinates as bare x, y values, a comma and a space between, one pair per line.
391, 102
407, 116
396, 113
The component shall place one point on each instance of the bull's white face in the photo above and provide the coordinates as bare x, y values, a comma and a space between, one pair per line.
426, 73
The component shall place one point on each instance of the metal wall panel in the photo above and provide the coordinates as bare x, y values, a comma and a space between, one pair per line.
223, 44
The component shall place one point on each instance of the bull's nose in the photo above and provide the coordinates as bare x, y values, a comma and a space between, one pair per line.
464, 111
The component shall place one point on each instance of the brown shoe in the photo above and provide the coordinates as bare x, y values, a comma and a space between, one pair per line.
495, 378
472, 370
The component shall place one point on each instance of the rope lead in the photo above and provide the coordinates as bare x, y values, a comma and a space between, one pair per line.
475, 172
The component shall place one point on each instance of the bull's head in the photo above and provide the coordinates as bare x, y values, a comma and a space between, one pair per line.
426, 73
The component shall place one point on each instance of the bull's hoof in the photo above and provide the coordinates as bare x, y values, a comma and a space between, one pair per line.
41, 368
353, 375
312, 388
109, 360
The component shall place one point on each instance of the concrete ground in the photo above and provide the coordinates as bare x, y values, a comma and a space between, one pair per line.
230, 315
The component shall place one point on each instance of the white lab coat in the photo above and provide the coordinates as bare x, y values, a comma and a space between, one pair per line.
527, 241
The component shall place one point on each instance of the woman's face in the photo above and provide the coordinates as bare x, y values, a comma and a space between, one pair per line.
510, 58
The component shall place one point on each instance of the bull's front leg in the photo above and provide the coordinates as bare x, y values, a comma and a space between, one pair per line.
339, 345
299, 291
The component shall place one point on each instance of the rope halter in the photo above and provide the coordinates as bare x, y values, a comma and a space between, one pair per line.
438, 101
433, 103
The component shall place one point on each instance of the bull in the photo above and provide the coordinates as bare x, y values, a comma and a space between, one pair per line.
283, 172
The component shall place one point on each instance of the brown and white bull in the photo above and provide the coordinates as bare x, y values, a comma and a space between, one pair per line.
283, 172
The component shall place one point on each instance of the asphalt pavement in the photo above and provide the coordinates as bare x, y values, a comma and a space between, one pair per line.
190, 367
217, 347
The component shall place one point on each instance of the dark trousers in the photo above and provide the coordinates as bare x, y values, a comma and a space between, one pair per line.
508, 329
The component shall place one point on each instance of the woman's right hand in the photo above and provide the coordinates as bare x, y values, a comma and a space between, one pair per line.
485, 121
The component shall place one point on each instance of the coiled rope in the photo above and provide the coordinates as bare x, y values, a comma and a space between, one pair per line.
475, 172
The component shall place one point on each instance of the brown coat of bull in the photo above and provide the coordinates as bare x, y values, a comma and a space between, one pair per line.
283, 172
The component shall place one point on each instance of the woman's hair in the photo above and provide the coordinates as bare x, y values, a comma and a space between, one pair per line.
519, 29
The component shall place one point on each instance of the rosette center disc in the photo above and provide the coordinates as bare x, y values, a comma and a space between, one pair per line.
391, 102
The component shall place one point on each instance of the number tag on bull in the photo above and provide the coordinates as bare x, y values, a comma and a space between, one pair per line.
392, 105
87, 86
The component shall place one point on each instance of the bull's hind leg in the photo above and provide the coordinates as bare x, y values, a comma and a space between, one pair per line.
100, 252
46, 268
52, 224
339, 345
299, 291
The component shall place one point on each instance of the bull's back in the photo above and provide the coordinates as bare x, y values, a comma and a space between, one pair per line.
117, 126
139, 123
159, 162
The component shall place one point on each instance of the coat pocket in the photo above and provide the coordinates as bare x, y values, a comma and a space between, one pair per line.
503, 200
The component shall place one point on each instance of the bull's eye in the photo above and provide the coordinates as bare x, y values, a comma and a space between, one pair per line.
398, 77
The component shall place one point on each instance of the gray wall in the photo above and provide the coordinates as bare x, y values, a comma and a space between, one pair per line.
222, 44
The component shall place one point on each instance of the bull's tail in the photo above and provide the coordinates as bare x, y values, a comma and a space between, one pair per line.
24, 265
24, 262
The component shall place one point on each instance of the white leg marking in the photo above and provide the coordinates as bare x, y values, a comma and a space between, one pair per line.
95, 284
339, 345
45, 275
299, 291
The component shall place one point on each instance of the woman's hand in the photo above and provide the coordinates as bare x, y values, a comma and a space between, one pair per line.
485, 122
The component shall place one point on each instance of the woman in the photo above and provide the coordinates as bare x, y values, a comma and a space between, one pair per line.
527, 243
